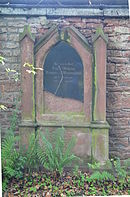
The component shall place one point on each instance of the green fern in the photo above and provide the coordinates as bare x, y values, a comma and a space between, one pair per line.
126, 165
9, 155
101, 176
12, 162
120, 171
54, 153
31, 153
94, 166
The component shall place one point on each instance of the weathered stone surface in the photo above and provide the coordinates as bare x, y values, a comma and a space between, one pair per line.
90, 144
9, 86
100, 40
83, 142
94, 12
111, 68
27, 82
11, 45
100, 148
25, 133
13, 37
118, 88
12, 29
56, 104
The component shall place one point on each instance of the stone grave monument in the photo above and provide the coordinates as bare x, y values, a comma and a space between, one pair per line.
70, 92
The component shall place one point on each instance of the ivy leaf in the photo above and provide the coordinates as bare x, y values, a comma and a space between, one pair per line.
28, 65
13, 71
7, 70
31, 71
2, 59
38, 68
3, 107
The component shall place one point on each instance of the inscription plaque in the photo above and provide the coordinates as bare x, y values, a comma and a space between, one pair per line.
63, 72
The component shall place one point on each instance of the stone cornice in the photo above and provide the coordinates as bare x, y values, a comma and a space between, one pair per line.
57, 12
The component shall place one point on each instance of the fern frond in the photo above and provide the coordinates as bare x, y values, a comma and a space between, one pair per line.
68, 160
101, 176
53, 153
107, 176
70, 146
31, 153
41, 155
10, 157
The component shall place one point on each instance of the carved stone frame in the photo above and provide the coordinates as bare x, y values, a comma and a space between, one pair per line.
79, 43
93, 128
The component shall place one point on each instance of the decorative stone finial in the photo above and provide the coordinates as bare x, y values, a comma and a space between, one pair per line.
100, 33
26, 32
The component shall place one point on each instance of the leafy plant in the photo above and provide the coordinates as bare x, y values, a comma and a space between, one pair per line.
31, 153
53, 153
3, 107
126, 163
92, 190
94, 166
101, 176
33, 189
76, 170
120, 171
13, 121
31, 68
12, 162
2, 60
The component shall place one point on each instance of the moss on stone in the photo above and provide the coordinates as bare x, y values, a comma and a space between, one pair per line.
95, 86
33, 98
100, 33
102, 148
62, 35
26, 32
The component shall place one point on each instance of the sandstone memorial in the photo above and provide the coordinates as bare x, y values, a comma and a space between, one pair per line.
81, 54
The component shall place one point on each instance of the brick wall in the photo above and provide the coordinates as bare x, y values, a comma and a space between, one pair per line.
118, 69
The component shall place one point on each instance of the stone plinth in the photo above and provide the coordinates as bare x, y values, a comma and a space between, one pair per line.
91, 140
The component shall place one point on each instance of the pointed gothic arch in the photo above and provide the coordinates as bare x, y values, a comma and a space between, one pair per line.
78, 42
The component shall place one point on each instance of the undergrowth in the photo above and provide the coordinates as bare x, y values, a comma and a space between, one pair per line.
53, 153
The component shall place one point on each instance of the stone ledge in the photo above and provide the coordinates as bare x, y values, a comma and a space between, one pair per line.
93, 125
49, 12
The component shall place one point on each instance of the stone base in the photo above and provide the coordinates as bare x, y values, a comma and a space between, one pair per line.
92, 142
